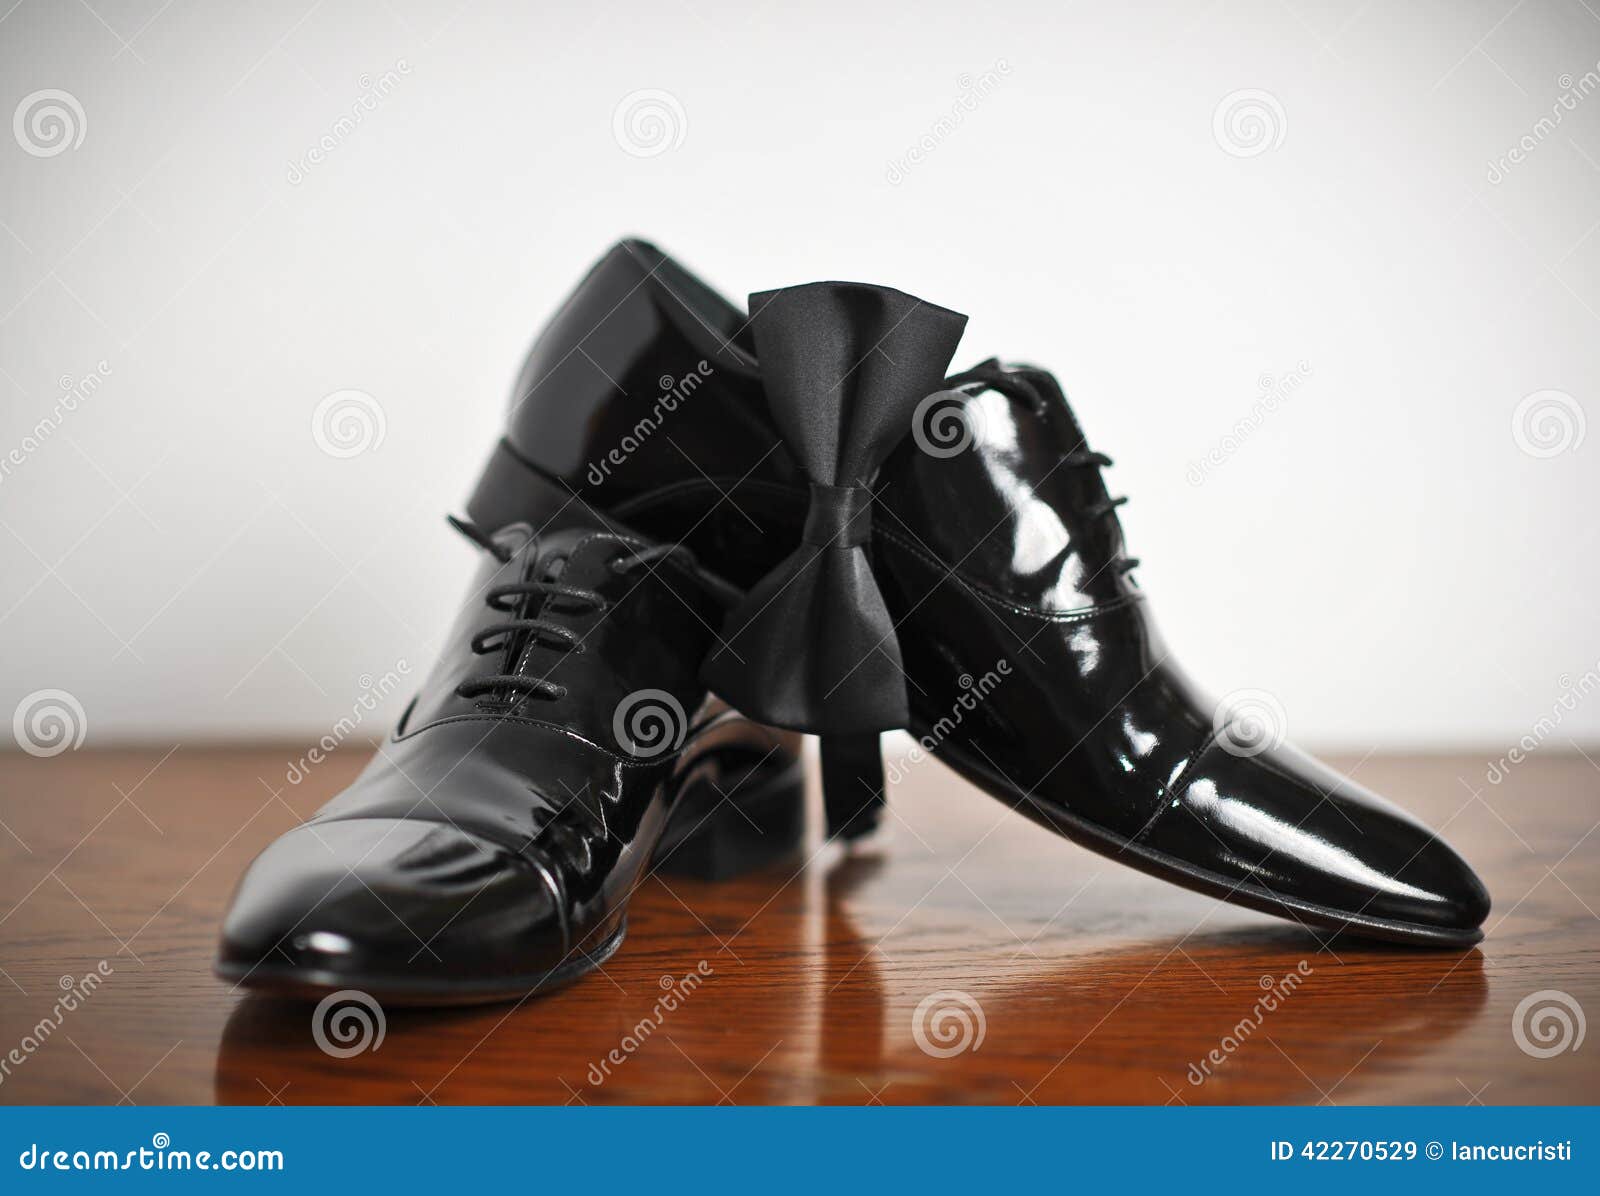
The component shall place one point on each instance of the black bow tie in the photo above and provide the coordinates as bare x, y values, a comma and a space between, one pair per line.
812, 647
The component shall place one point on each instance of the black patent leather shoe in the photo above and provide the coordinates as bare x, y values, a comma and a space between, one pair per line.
561, 748
998, 554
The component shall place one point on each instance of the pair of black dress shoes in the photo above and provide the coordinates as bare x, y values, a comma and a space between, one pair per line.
703, 525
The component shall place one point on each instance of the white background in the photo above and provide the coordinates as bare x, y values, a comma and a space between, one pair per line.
182, 557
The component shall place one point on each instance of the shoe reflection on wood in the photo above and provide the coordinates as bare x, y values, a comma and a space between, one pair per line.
842, 981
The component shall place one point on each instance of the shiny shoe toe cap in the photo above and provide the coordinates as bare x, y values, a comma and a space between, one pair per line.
390, 903
1282, 822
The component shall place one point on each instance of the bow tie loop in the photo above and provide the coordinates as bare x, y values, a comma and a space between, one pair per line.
812, 646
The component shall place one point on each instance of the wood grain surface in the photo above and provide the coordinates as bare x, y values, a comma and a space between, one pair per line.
964, 955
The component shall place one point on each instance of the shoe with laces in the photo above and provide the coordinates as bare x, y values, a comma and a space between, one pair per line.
561, 749
1015, 634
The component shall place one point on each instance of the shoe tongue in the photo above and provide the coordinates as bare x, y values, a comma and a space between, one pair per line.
563, 542
582, 556
512, 537
555, 547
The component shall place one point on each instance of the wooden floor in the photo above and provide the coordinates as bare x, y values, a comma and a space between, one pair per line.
967, 956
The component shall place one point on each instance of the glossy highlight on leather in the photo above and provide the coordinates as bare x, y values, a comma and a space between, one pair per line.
1007, 550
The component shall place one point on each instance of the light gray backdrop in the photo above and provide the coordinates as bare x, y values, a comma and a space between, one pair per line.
1324, 278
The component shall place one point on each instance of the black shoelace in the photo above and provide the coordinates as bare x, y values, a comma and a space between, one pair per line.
509, 599
1017, 388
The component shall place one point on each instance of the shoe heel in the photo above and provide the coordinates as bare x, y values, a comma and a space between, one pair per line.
731, 818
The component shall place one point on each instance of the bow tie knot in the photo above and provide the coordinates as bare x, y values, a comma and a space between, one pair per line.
839, 516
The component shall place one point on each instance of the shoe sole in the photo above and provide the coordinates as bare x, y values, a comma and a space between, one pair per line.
1202, 880
312, 984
